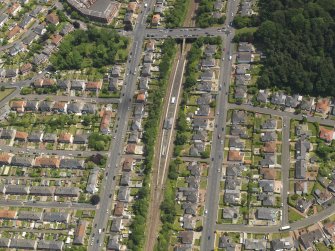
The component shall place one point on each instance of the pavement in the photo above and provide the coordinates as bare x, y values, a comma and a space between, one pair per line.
214, 176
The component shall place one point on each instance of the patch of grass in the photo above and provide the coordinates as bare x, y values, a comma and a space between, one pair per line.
245, 30
5, 93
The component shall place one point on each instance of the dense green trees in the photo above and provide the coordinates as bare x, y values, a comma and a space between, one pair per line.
298, 38
92, 48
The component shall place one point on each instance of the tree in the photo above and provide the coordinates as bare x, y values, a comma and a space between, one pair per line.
95, 199
51, 28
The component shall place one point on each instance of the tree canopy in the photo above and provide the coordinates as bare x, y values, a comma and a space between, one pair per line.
92, 48
298, 38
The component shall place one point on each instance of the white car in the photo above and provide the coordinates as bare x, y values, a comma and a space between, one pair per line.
206, 211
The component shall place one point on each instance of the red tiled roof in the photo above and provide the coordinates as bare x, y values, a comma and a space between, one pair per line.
326, 134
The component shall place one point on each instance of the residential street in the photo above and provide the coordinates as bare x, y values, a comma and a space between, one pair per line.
285, 168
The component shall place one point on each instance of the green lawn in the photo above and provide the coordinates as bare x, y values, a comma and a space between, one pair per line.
246, 29
321, 246
293, 216
5, 93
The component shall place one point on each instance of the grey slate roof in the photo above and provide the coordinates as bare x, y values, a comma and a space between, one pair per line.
278, 98
235, 170
194, 168
266, 185
232, 197
29, 215
67, 191
309, 238
255, 244
23, 244
236, 143
50, 245
116, 225
264, 213
31, 105
269, 124
226, 243
22, 161
4, 242
35, 136
125, 179
80, 139
300, 169
113, 243
238, 117
262, 96
230, 212
56, 217
89, 108
7, 134
42, 190
45, 106
268, 136
71, 163
282, 244
92, 182
17, 189
123, 194
49, 137
74, 107
189, 208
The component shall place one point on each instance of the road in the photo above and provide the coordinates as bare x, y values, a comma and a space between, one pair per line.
112, 167
213, 188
